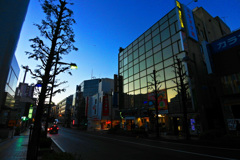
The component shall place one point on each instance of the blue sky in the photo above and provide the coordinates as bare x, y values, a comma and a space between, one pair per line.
105, 25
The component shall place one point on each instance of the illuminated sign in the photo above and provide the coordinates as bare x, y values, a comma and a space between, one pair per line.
189, 19
161, 98
179, 11
30, 112
225, 43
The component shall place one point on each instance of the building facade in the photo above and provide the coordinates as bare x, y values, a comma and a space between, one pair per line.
177, 35
64, 109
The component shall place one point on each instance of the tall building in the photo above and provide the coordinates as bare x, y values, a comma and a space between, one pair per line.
11, 17
177, 35
8, 99
64, 108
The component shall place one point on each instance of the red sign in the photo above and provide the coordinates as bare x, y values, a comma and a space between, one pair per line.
105, 106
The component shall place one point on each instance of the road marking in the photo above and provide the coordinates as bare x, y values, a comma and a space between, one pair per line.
58, 145
199, 154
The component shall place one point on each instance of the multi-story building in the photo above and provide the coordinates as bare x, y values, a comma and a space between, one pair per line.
8, 99
100, 107
12, 17
223, 56
80, 100
177, 35
64, 108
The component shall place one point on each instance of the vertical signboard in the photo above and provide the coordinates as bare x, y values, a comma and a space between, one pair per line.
189, 19
180, 15
105, 107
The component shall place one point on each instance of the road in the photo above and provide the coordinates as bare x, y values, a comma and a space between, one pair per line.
110, 147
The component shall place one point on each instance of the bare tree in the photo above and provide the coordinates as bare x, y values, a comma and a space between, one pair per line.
57, 40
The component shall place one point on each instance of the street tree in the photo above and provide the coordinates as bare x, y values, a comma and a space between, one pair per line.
56, 40
155, 86
182, 87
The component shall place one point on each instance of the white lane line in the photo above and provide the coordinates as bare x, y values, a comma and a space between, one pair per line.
199, 154
58, 145
196, 145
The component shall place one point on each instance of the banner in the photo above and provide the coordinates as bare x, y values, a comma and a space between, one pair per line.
161, 98
105, 106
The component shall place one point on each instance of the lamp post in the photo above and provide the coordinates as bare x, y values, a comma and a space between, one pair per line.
72, 66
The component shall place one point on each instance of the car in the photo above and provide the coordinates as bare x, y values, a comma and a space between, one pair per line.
53, 129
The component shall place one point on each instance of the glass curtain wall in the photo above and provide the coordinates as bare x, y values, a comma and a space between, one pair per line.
157, 49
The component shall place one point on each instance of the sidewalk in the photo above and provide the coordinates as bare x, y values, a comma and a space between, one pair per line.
14, 148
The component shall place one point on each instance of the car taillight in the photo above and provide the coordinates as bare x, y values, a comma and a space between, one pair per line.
57, 128
50, 128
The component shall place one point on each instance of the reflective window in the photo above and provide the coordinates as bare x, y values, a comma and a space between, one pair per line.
159, 66
155, 32
169, 73
142, 65
143, 82
173, 19
172, 29
135, 54
171, 95
167, 52
130, 58
173, 12
131, 71
125, 61
125, 88
141, 50
148, 38
155, 26
157, 48
160, 76
168, 62
143, 73
150, 70
157, 57
131, 79
136, 76
176, 37
163, 19
131, 86
136, 84
136, 68
148, 45
166, 43
130, 64
165, 34
142, 57
135, 47
149, 53
135, 43
150, 61
141, 42
170, 83
164, 25
135, 61
156, 40
125, 74
175, 48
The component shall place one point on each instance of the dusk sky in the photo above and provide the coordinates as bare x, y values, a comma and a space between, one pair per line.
105, 25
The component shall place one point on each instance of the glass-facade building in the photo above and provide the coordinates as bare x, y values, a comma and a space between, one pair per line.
156, 49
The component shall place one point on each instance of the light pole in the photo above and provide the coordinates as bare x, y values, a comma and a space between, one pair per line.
72, 66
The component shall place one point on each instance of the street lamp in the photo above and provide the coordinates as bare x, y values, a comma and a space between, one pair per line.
72, 66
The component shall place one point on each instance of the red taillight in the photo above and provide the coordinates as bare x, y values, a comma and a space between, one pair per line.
50, 128
54, 125
57, 128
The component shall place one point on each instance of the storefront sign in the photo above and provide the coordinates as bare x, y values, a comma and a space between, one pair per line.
225, 43
180, 17
105, 106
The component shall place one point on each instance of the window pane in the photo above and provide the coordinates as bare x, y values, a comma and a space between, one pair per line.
141, 50
176, 37
173, 19
169, 73
160, 75
125, 61
125, 89
163, 20
143, 73
167, 52
156, 40
131, 71
136, 76
157, 57
155, 32
171, 93
148, 38
141, 43
143, 82
165, 34
136, 68
125, 74
149, 53
172, 29
142, 57
166, 43
135, 47
130, 64
157, 48
131, 86
155, 26
148, 45
175, 48
170, 83
135, 61
135, 54
131, 79
142, 65
164, 25
168, 62
150, 70
136, 84
130, 58
159, 66
150, 61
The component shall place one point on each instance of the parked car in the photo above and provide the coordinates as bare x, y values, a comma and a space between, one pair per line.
53, 129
